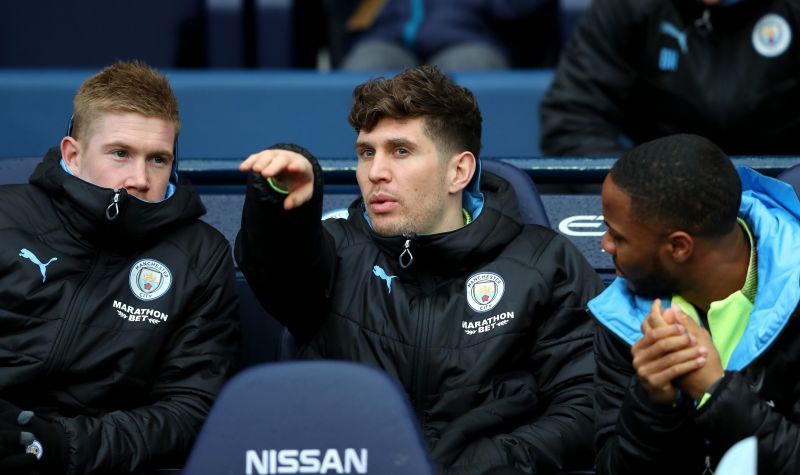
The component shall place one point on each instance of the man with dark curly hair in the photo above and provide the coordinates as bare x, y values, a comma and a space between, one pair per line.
434, 278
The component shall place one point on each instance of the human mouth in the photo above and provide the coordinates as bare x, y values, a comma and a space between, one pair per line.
382, 203
617, 270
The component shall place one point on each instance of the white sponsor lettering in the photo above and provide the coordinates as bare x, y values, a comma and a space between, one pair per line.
136, 314
487, 324
268, 462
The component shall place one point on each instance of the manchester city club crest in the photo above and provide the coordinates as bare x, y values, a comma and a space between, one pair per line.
771, 35
149, 279
484, 291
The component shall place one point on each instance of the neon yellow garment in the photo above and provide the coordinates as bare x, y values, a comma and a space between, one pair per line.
727, 318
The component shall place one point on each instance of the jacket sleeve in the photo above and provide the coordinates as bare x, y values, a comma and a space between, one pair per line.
194, 364
559, 436
583, 111
632, 434
287, 257
735, 412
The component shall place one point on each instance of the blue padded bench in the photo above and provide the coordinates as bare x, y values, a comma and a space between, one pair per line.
228, 115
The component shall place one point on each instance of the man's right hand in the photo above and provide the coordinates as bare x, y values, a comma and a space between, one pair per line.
665, 352
288, 170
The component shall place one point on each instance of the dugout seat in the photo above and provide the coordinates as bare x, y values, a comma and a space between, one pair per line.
792, 176
297, 414
530, 202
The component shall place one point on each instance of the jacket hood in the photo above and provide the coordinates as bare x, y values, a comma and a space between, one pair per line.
84, 206
496, 220
772, 211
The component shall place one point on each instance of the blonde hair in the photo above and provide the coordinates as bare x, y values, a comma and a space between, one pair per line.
120, 88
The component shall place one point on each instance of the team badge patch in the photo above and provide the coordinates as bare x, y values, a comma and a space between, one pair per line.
35, 448
771, 35
484, 291
149, 279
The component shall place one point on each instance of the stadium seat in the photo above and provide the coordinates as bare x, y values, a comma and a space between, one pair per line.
17, 170
94, 33
310, 415
530, 203
792, 176
262, 337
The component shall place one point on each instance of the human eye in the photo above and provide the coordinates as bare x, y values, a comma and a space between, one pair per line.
119, 153
366, 153
160, 161
402, 151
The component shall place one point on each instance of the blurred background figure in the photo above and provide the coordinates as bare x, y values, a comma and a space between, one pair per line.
636, 70
452, 34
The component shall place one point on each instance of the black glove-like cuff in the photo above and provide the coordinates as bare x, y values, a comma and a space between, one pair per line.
29, 443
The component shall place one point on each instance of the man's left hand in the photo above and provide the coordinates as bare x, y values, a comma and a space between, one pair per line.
698, 381
29, 443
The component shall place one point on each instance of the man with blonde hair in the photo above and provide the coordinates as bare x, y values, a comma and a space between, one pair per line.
117, 311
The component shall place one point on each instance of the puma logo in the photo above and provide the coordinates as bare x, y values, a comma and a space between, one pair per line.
31, 257
377, 270
671, 30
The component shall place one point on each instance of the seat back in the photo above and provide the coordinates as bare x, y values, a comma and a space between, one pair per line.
262, 337
310, 417
792, 176
15, 170
530, 202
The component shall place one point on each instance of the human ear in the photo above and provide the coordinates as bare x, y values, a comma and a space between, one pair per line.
461, 168
70, 150
681, 246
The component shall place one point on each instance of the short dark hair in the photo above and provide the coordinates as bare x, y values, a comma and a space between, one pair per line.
450, 112
681, 182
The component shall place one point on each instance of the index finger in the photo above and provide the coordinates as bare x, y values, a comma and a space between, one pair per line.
655, 317
248, 162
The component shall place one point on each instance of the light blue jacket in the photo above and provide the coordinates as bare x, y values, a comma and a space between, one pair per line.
772, 211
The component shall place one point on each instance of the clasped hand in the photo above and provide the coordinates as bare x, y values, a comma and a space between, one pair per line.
674, 353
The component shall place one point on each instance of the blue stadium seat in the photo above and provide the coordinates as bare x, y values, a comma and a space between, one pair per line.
263, 339
530, 203
792, 176
225, 38
228, 115
94, 33
15, 170
310, 414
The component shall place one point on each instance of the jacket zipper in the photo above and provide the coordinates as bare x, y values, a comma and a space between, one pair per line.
419, 359
112, 211
71, 318
67, 331
406, 258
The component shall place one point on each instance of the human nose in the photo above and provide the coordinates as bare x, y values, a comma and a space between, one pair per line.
380, 170
608, 244
138, 178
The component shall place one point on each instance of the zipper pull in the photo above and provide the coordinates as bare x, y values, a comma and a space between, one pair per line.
405, 257
708, 470
703, 24
113, 209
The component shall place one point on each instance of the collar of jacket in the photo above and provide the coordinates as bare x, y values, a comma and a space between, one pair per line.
772, 211
82, 207
461, 250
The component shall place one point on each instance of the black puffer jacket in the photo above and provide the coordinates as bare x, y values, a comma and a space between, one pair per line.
122, 331
506, 384
649, 68
760, 392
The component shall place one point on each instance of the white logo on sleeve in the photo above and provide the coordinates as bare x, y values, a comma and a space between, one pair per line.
484, 291
149, 279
